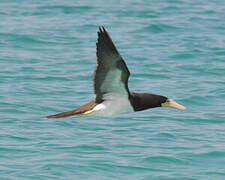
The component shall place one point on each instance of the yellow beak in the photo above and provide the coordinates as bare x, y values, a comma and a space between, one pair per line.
172, 103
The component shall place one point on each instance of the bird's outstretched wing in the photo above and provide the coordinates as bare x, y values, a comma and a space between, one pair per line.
111, 73
110, 76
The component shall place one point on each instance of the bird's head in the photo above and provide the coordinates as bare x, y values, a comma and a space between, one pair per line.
142, 101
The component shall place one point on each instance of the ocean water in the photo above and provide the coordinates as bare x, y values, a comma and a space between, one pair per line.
174, 48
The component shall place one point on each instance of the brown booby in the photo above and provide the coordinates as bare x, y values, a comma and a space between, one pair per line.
111, 86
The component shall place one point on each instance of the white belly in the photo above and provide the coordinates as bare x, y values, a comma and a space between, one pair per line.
112, 105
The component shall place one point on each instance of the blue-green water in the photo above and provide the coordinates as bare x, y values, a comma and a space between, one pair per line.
174, 48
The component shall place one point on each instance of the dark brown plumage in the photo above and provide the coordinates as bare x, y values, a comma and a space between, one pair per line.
77, 111
143, 101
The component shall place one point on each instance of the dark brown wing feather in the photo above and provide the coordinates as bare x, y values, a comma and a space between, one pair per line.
87, 107
111, 73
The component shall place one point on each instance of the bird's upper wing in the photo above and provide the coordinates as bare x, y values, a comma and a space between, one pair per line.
111, 73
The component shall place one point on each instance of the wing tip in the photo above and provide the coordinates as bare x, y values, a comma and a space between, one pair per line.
101, 29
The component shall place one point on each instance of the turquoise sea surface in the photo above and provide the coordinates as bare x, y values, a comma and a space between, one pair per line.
174, 48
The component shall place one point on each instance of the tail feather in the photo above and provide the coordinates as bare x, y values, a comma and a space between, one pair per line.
64, 114
81, 110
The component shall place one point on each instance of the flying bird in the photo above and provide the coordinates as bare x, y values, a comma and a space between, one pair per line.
111, 86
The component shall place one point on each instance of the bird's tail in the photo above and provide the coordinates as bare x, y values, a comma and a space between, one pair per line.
65, 114
82, 110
